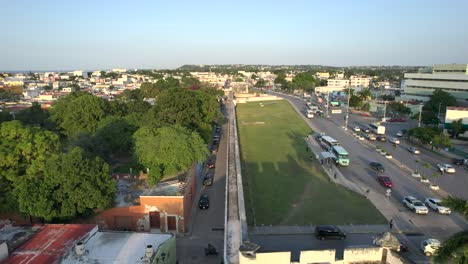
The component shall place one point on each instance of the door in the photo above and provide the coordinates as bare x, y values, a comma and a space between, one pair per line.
155, 220
171, 223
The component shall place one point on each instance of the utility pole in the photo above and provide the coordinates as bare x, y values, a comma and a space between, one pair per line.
347, 109
328, 103
385, 111
420, 112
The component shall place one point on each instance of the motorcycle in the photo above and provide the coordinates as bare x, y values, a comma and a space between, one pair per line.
211, 250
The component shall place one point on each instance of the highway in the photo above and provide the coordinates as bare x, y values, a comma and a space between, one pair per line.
432, 225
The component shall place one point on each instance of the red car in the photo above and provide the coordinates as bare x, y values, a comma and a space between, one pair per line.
385, 181
210, 164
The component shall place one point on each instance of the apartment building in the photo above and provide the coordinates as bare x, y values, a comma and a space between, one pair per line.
337, 83
360, 81
452, 78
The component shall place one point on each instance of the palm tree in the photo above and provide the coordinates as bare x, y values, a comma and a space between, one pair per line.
456, 247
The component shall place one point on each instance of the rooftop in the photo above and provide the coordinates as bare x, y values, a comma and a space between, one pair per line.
116, 247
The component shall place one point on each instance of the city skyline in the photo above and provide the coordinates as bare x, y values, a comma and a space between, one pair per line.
52, 35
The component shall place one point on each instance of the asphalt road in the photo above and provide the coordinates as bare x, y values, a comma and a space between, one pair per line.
432, 225
207, 225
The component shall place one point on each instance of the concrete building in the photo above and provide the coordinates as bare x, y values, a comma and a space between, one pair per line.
454, 113
339, 75
323, 75
360, 81
452, 78
337, 83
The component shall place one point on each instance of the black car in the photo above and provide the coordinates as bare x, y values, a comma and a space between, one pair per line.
329, 232
458, 161
208, 179
365, 129
377, 166
381, 139
204, 202
214, 148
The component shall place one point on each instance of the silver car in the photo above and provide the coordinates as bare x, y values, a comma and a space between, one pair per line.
436, 205
414, 150
446, 168
415, 205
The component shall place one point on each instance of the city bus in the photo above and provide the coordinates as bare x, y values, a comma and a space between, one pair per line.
341, 155
329, 141
377, 129
335, 103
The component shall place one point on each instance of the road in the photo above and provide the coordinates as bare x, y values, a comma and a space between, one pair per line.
207, 225
361, 153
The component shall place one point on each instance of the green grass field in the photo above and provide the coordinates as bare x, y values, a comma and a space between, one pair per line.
282, 184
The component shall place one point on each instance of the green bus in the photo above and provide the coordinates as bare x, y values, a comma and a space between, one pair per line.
335, 103
341, 155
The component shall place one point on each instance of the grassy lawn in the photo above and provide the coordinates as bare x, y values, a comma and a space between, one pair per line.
282, 184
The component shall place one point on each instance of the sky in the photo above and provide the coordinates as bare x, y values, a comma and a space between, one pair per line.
154, 34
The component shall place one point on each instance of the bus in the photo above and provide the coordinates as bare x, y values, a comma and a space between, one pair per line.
309, 113
335, 103
341, 155
377, 129
329, 141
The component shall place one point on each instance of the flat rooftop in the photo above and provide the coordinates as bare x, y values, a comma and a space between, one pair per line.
117, 247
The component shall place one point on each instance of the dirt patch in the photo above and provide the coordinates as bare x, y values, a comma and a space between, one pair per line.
253, 123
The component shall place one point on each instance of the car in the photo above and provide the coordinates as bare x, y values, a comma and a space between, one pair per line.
436, 205
398, 119
415, 205
385, 181
215, 141
430, 246
214, 148
329, 232
399, 134
370, 137
210, 164
381, 138
204, 202
414, 150
356, 129
360, 137
377, 166
458, 161
208, 179
365, 129
216, 137
394, 141
446, 168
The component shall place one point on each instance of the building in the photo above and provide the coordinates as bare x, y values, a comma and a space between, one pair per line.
73, 243
337, 83
9, 81
323, 75
339, 75
454, 113
452, 78
119, 70
360, 81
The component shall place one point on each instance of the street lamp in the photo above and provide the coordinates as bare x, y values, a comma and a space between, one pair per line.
420, 111
347, 109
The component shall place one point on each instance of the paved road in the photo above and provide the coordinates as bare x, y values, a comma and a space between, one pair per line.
207, 225
433, 224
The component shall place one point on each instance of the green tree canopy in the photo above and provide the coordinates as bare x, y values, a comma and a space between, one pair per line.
115, 134
456, 127
34, 115
305, 81
167, 151
67, 185
260, 83
79, 113
440, 98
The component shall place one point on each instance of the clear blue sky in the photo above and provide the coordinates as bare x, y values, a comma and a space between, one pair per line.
66, 34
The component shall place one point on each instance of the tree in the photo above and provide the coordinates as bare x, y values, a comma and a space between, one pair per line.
47, 88
167, 151
79, 113
455, 247
67, 185
457, 127
399, 108
441, 140
149, 90
115, 134
305, 81
365, 94
33, 115
260, 83
253, 76
5, 116
439, 98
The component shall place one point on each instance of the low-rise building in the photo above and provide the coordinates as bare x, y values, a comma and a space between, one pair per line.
360, 81
323, 75
337, 83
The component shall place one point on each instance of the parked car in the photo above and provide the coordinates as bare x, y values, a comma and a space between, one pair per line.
385, 181
214, 148
365, 129
446, 168
210, 164
370, 136
204, 202
381, 138
436, 205
329, 232
399, 134
397, 119
360, 137
394, 141
208, 179
377, 166
458, 161
415, 205
356, 129
430, 246
414, 150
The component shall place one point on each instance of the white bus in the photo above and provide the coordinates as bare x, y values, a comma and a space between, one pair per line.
377, 129
329, 141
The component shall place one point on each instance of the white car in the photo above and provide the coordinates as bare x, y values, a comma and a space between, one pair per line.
394, 141
436, 205
446, 168
356, 129
415, 205
414, 150
430, 246
399, 134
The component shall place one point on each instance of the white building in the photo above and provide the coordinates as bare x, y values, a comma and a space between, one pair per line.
452, 78
454, 113
360, 81
337, 83
77, 73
